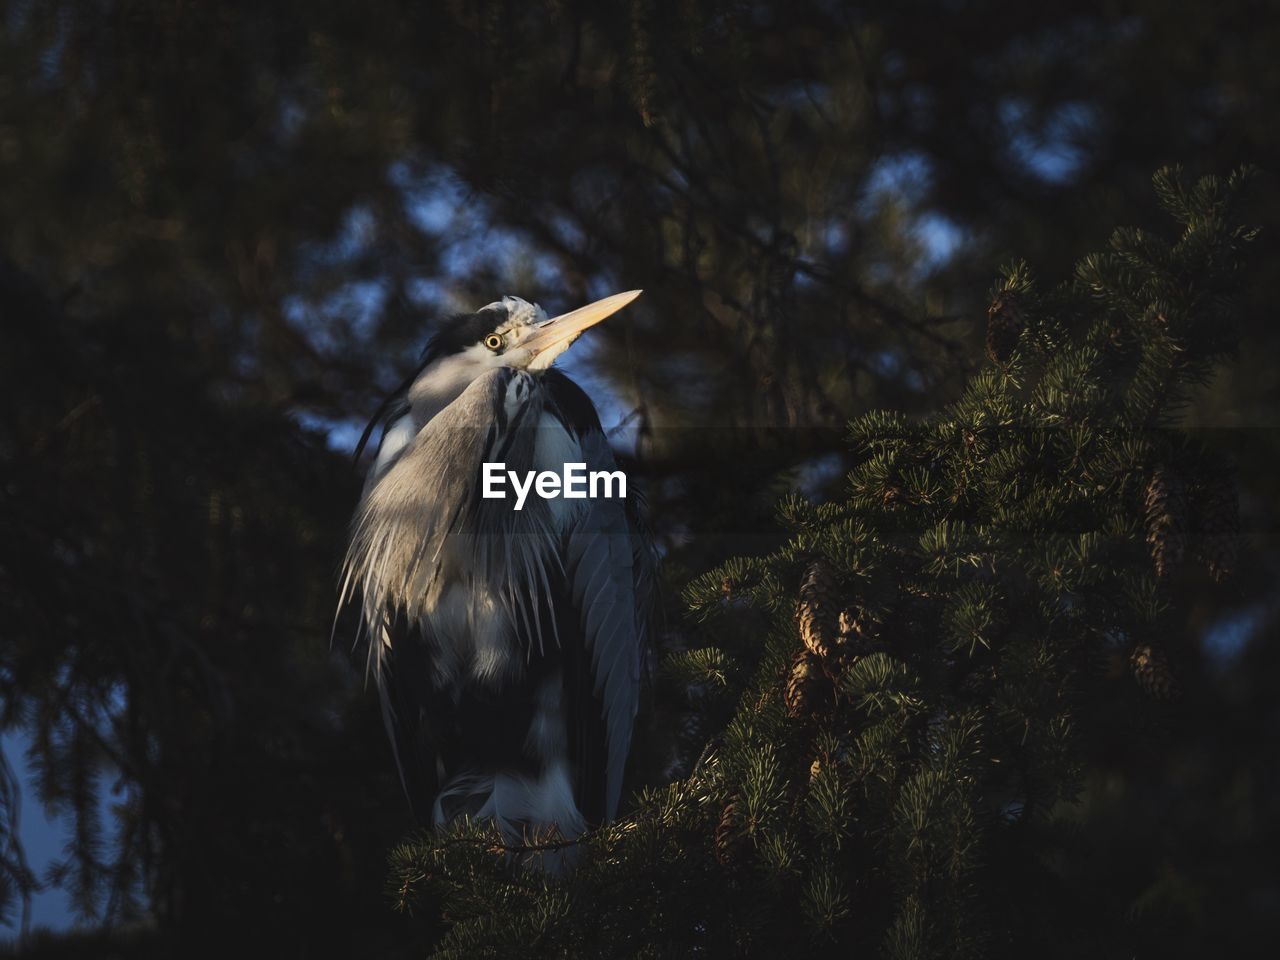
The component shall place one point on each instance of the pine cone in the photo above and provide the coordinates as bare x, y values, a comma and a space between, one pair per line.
1220, 526
729, 834
1151, 669
1166, 520
1004, 326
808, 689
818, 610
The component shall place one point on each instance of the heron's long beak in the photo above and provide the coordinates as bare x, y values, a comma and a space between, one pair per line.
554, 336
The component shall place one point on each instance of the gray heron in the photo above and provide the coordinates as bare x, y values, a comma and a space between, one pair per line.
506, 645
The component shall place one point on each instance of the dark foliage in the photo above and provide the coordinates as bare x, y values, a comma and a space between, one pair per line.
905, 769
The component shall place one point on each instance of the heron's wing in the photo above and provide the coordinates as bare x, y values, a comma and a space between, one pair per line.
605, 584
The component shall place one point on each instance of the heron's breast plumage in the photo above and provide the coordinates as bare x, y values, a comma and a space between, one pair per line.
479, 638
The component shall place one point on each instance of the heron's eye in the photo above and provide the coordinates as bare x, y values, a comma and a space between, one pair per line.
493, 341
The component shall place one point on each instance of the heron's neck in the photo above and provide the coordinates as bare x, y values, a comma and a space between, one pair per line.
440, 386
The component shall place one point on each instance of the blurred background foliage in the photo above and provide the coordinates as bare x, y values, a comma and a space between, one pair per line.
227, 230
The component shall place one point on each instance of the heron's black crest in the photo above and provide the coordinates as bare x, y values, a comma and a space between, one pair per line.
460, 331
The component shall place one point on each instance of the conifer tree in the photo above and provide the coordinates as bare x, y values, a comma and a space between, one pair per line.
902, 690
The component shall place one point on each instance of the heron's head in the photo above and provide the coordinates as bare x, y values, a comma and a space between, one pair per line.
508, 333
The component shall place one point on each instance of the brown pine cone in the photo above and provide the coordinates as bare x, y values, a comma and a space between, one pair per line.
817, 612
1005, 322
1166, 510
729, 834
1151, 669
1220, 526
808, 688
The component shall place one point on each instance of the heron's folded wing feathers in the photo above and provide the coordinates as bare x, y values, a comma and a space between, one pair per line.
600, 563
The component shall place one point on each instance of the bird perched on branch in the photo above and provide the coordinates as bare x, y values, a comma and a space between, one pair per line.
506, 644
